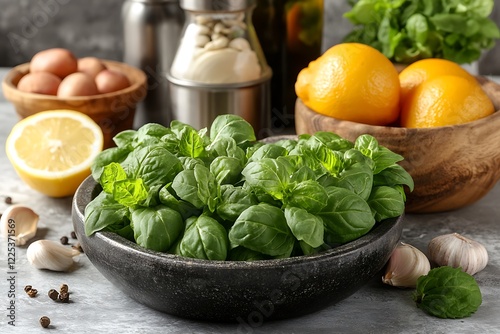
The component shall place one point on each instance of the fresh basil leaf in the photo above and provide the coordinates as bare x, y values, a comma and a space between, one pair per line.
125, 138
155, 165
301, 174
262, 228
447, 292
384, 158
332, 141
110, 174
191, 144
417, 28
227, 147
268, 151
308, 195
206, 239
392, 176
207, 186
232, 126
357, 178
233, 201
367, 145
104, 211
107, 156
305, 226
386, 202
269, 175
185, 209
156, 228
130, 192
178, 127
226, 170
287, 144
190, 163
346, 215
186, 188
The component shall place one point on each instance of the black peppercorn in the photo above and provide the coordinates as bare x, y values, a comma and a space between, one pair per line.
64, 240
53, 294
73, 235
8, 200
63, 288
45, 321
64, 297
27, 288
32, 292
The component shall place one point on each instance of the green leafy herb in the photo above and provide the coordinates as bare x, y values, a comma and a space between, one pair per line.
407, 30
447, 292
227, 196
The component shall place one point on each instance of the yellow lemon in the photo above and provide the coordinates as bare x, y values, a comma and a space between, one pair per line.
52, 151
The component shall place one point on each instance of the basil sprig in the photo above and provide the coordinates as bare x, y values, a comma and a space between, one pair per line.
409, 30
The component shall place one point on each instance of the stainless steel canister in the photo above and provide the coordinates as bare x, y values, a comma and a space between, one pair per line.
151, 31
219, 67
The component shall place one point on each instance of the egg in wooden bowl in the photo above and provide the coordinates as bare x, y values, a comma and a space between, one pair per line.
107, 91
452, 166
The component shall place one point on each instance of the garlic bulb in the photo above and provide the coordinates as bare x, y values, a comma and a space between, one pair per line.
20, 223
455, 250
47, 254
405, 266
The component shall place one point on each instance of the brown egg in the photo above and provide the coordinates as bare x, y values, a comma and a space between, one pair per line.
60, 62
40, 83
111, 81
90, 65
77, 84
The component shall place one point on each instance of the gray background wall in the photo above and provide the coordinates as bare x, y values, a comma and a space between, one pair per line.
93, 27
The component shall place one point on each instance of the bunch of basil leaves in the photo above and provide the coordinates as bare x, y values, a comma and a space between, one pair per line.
409, 30
226, 196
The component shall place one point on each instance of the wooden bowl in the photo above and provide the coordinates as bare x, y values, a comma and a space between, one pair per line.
114, 112
452, 166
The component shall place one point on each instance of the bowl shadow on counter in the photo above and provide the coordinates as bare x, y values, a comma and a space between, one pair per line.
248, 293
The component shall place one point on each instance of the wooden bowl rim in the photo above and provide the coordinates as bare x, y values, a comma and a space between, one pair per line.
495, 116
10, 90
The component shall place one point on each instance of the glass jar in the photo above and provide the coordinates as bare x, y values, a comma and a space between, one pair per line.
219, 66
219, 44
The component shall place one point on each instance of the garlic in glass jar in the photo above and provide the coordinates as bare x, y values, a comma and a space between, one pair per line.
20, 223
455, 250
405, 266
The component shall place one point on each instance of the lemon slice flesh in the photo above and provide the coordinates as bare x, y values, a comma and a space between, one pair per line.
52, 151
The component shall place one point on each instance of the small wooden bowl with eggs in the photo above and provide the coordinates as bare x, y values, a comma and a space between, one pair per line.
107, 91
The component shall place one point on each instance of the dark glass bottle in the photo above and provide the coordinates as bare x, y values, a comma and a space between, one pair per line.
290, 32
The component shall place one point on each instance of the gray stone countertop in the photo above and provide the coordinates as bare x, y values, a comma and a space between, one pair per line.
98, 307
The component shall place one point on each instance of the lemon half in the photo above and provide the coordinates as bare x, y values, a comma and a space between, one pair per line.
52, 151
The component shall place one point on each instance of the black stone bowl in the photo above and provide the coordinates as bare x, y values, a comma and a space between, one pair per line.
234, 291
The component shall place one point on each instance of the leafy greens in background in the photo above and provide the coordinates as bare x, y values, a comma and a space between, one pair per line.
226, 196
409, 30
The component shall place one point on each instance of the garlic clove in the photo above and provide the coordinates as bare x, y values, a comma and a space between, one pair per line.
48, 254
455, 250
405, 266
19, 222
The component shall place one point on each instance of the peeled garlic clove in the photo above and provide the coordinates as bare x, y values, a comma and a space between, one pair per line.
20, 223
405, 266
455, 250
47, 254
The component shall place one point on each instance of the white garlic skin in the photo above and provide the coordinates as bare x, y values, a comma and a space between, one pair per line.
25, 222
455, 250
405, 266
48, 254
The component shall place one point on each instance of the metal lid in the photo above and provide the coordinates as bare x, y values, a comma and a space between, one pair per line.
216, 5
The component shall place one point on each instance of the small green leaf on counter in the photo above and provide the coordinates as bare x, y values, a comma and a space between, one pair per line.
447, 292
